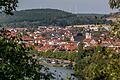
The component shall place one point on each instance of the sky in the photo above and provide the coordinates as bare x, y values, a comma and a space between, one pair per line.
74, 6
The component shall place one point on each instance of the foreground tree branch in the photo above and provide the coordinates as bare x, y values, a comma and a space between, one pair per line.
8, 6
114, 4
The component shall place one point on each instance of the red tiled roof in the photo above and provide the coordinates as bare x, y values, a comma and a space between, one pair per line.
56, 40
27, 38
117, 43
71, 46
41, 38
33, 35
87, 40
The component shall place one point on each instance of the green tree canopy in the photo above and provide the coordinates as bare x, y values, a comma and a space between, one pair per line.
98, 63
114, 4
7, 6
17, 61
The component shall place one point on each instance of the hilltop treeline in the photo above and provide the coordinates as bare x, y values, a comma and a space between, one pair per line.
45, 17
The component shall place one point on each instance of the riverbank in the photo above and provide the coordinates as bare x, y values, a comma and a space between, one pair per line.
56, 63
61, 69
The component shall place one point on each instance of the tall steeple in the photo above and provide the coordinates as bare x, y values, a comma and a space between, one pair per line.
72, 39
88, 35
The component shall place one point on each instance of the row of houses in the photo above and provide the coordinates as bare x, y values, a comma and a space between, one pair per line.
64, 39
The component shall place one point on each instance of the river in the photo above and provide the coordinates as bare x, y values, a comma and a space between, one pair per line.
62, 73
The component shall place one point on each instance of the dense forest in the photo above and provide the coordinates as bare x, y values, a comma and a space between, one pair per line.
46, 17
99, 63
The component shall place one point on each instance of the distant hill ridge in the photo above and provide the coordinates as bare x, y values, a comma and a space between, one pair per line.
51, 17
117, 14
